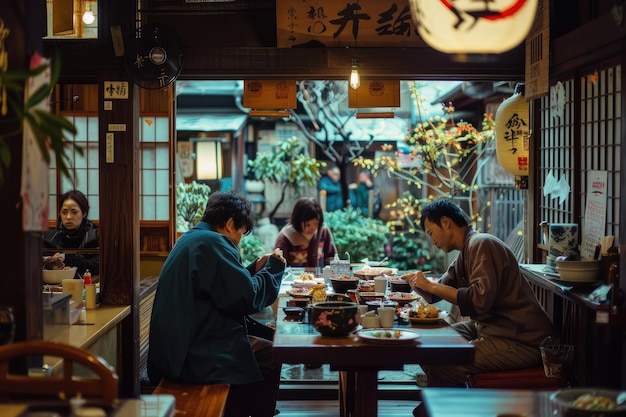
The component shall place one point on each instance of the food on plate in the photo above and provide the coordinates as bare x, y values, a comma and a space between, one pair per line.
594, 402
319, 293
402, 296
387, 334
307, 277
300, 292
346, 278
55, 262
424, 311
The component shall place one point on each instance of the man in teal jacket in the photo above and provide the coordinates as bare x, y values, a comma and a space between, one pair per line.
197, 330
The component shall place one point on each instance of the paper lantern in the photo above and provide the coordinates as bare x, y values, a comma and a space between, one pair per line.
473, 27
513, 135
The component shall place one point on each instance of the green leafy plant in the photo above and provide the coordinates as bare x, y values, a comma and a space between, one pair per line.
250, 247
438, 155
360, 236
289, 166
49, 130
412, 251
191, 199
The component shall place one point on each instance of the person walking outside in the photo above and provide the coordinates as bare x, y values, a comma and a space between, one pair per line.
330, 183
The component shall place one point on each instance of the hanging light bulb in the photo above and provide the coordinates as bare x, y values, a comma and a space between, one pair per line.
88, 16
355, 79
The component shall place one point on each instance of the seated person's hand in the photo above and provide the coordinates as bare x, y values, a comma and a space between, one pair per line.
56, 261
278, 254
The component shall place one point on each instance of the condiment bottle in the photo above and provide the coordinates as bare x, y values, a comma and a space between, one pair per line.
87, 277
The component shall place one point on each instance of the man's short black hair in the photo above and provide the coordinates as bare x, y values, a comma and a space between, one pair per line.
221, 206
437, 209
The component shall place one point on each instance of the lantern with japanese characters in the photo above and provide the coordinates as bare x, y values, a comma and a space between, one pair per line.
473, 27
513, 136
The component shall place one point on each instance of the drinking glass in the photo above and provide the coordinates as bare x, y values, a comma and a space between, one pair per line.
7, 325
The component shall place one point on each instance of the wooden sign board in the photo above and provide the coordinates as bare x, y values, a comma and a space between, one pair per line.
269, 94
333, 23
375, 93
537, 71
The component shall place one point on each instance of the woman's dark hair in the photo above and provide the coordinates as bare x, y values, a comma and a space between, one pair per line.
437, 209
221, 206
304, 210
77, 196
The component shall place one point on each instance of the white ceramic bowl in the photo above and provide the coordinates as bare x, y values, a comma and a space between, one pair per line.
578, 271
57, 276
589, 264
578, 275
562, 402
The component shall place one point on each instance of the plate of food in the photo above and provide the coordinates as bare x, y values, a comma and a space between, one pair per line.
368, 272
388, 336
300, 292
402, 297
424, 313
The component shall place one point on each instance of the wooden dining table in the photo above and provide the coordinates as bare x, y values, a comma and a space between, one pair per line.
358, 361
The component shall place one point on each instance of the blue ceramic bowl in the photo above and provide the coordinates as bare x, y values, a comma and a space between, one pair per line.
335, 318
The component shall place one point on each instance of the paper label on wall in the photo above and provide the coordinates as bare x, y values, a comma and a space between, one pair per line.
595, 213
115, 90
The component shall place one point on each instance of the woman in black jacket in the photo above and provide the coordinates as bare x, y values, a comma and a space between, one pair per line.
75, 231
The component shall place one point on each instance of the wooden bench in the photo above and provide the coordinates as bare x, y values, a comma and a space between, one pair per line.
529, 379
195, 400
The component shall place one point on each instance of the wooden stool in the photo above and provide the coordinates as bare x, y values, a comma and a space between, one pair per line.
530, 379
195, 400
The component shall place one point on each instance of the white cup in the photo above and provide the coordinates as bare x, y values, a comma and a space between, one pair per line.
380, 284
386, 316
362, 309
370, 322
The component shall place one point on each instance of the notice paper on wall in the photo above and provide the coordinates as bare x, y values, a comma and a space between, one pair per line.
595, 213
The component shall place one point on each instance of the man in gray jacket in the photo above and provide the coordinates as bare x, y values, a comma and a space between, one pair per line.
507, 324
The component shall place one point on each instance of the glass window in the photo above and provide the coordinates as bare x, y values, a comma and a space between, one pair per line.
69, 19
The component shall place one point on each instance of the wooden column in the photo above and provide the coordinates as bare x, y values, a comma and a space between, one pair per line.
119, 217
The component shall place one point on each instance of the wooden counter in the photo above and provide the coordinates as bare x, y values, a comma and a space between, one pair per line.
146, 406
98, 333
596, 330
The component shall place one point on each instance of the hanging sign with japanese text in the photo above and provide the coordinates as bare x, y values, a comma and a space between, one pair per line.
269, 94
332, 23
375, 93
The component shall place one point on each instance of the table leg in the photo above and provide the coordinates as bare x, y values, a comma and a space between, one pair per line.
358, 393
346, 393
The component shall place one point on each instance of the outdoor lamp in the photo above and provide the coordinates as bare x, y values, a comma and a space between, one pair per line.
355, 79
473, 27
513, 136
208, 159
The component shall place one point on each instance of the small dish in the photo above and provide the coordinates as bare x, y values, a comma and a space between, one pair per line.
294, 313
370, 296
386, 336
427, 320
300, 292
402, 297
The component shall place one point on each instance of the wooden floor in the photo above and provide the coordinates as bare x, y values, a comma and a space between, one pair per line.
325, 408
